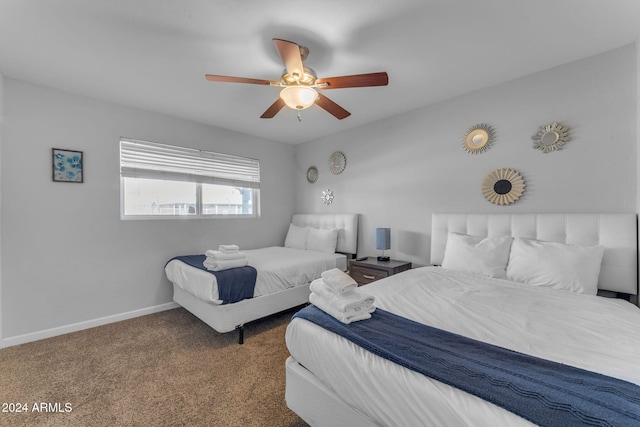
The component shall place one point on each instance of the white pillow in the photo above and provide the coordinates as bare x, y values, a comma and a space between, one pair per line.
296, 237
322, 240
573, 268
475, 254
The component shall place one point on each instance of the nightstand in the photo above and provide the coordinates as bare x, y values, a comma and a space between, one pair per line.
370, 269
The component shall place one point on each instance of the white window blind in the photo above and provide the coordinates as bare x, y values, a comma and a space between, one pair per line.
142, 159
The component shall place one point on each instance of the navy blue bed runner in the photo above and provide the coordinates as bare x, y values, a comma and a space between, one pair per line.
544, 392
234, 284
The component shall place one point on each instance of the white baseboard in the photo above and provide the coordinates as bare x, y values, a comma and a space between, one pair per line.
61, 330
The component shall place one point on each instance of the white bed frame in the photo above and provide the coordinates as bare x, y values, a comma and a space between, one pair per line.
228, 317
318, 405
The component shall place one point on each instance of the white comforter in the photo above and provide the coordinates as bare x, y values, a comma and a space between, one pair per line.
589, 332
278, 268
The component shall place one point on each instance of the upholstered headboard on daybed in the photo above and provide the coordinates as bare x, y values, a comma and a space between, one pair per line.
617, 233
346, 224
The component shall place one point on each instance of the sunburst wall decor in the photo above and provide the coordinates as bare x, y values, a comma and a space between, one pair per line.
551, 137
327, 197
503, 186
478, 138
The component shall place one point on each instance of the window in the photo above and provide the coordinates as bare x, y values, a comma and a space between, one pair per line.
159, 181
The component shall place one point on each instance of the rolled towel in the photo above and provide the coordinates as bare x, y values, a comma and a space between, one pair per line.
228, 248
339, 281
350, 303
323, 305
218, 255
216, 265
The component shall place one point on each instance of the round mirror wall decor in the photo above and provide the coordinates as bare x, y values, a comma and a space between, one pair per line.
337, 162
312, 174
551, 137
478, 138
327, 197
503, 186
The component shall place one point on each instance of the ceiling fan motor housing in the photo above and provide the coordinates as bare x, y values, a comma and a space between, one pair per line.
307, 78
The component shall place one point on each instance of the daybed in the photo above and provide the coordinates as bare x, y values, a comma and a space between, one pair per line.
532, 307
283, 275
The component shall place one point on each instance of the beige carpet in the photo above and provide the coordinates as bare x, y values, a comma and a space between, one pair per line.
164, 369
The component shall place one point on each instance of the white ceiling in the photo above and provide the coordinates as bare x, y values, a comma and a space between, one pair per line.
153, 54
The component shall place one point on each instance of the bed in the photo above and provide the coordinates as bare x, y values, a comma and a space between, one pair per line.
333, 381
283, 275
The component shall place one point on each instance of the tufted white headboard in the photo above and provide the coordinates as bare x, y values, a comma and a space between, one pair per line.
347, 225
616, 232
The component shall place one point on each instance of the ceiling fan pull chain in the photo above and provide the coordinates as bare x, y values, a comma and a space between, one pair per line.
299, 116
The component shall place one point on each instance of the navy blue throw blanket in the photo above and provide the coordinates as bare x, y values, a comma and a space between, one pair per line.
234, 284
544, 392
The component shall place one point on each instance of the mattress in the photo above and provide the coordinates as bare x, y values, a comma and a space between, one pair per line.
278, 268
589, 332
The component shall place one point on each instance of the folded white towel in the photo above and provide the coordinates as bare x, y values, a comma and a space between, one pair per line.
217, 265
228, 248
218, 255
323, 305
339, 281
350, 303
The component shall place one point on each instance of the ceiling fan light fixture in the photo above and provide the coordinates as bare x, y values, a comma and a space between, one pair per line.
299, 97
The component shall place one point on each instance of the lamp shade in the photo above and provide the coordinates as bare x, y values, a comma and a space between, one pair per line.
298, 97
383, 238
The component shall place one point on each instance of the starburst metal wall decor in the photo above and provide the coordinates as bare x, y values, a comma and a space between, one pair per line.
503, 186
478, 138
551, 137
327, 197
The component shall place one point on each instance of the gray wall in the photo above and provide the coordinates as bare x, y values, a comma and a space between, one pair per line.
1, 122
402, 169
638, 125
69, 261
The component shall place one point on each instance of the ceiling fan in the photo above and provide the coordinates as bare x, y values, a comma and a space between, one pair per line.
299, 83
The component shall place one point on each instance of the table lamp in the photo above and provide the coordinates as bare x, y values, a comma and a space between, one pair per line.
383, 241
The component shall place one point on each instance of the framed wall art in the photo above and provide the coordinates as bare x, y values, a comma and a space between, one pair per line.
67, 165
